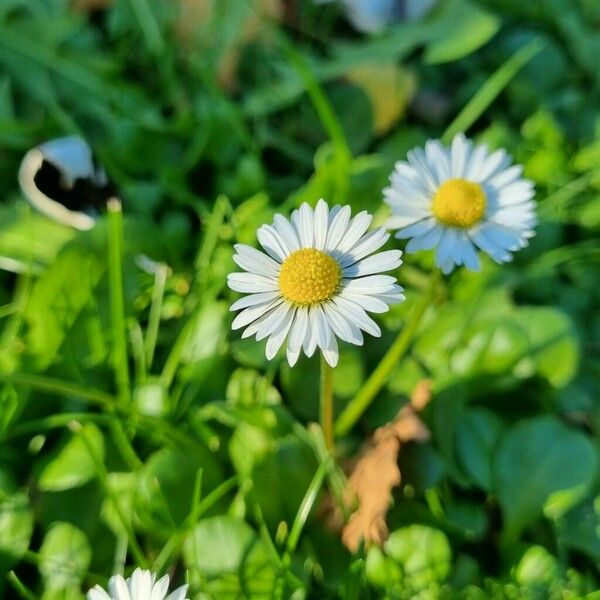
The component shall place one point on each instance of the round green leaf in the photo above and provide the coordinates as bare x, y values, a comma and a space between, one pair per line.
65, 556
16, 527
423, 554
73, 466
537, 459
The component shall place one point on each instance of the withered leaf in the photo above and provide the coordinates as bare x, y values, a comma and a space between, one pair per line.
376, 472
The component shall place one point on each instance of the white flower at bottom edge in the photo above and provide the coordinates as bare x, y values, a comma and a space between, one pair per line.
455, 198
316, 280
142, 585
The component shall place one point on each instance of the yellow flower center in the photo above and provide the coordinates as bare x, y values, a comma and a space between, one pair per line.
308, 276
459, 203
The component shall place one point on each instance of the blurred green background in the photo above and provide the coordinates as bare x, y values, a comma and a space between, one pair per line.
147, 434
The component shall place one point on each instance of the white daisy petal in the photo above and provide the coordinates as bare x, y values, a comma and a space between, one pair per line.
417, 229
337, 228
254, 299
298, 329
276, 316
366, 245
321, 218
118, 588
357, 227
178, 594
368, 302
287, 232
426, 241
250, 283
372, 284
254, 261
438, 160
331, 353
354, 312
142, 585
253, 312
160, 589
97, 593
279, 334
321, 326
303, 221
272, 243
377, 263
344, 328
292, 357
472, 196
460, 153
492, 165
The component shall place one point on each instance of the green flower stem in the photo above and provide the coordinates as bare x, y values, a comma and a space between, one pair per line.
115, 270
365, 396
326, 403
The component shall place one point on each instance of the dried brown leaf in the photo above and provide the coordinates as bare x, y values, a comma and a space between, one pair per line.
376, 472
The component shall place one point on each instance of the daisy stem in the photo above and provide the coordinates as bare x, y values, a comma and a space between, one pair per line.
367, 393
326, 404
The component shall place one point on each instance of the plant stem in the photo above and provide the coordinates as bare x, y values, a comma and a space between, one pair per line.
365, 396
326, 403
115, 269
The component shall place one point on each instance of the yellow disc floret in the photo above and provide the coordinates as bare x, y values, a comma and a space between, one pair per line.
309, 276
459, 203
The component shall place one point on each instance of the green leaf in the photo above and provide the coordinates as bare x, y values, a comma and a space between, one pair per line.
477, 435
55, 302
536, 459
537, 567
29, 241
553, 345
165, 486
580, 528
65, 556
463, 28
228, 555
423, 554
16, 527
73, 466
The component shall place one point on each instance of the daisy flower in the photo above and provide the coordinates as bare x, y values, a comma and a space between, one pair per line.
453, 199
315, 280
142, 585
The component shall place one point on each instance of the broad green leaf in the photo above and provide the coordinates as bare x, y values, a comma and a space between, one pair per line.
537, 567
463, 28
231, 559
580, 528
553, 345
73, 466
278, 494
536, 459
29, 241
165, 485
477, 435
56, 301
65, 556
16, 527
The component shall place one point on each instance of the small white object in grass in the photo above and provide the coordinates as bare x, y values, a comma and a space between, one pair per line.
72, 157
142, 585
459, 198
315, 281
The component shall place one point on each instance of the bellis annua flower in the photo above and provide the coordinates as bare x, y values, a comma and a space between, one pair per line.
142, 585
453, 199
316, 279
